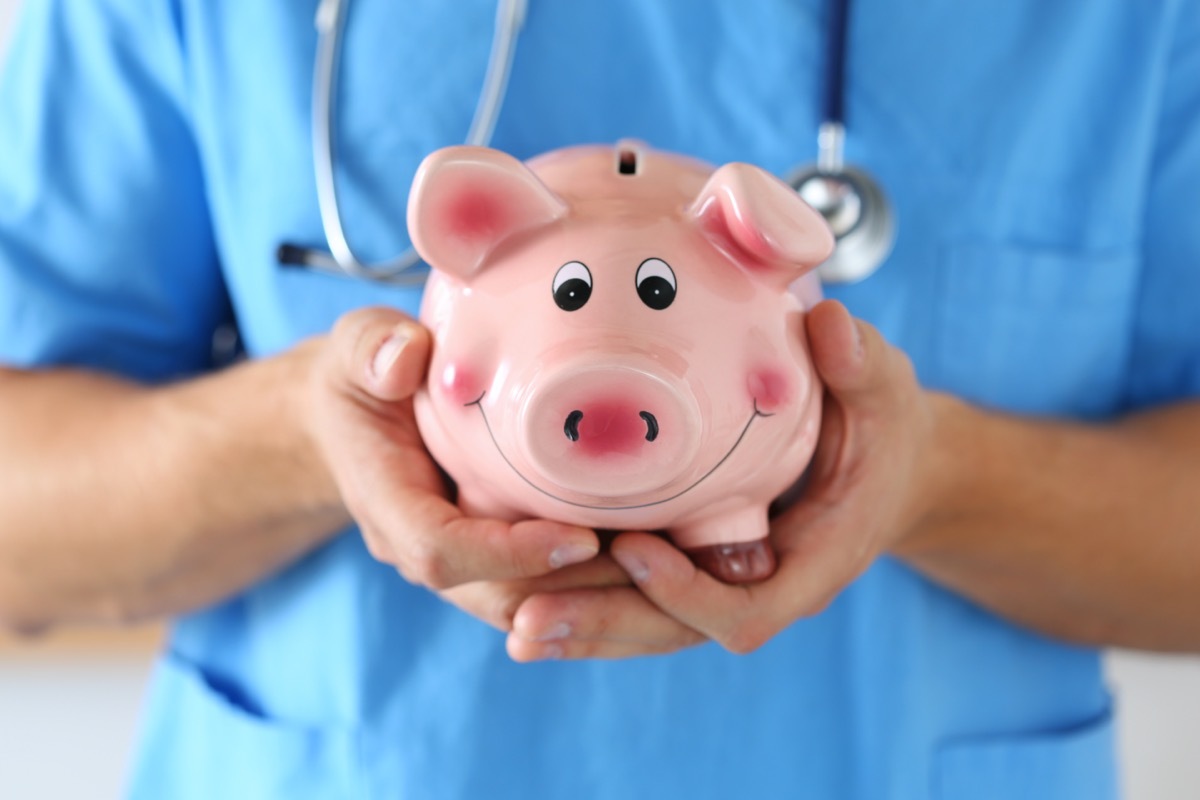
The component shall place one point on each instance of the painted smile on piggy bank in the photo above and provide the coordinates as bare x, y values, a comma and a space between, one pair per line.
609, 324
615, 504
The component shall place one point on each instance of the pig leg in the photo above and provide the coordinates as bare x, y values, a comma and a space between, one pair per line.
737, 562
732, 547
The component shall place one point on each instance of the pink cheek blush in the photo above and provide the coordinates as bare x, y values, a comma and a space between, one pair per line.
460, 384
769, 389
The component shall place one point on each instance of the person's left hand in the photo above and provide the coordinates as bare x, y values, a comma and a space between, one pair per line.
876, 475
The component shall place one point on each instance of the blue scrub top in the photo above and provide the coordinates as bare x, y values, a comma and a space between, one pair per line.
1044, 161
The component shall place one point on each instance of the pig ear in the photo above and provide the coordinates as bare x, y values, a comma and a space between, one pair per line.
467, 201
760, 222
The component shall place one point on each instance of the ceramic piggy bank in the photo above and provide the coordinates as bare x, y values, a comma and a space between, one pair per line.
616, 343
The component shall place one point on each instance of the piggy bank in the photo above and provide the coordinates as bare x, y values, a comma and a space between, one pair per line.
619, 342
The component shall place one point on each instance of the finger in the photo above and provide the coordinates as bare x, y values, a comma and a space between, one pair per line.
669, 580
525, 651
596, 573
619, 614
436, 545
382, 352
822, 548
812, 567
830, 459
852, 357
496, 602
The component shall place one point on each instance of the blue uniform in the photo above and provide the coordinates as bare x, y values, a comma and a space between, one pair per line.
1044, 161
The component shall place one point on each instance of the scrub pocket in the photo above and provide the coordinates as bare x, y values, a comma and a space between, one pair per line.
199, 742
1036, 330
1073, 765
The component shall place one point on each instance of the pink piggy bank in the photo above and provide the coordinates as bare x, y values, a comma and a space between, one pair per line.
616, 342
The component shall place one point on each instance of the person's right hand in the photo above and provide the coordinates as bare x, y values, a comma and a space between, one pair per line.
361, 418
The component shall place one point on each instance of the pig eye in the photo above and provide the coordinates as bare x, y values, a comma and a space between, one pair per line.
572, 286
656, 283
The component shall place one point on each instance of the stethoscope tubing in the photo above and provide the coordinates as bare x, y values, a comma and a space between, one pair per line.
834, 109
860, 249
331, 29
852, 200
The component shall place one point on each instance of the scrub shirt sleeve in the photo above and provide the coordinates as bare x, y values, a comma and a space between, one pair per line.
107, 258
1165, 360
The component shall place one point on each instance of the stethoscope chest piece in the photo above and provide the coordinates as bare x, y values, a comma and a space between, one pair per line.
859, 215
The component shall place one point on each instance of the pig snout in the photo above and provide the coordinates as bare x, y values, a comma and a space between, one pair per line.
611, 431
610, 427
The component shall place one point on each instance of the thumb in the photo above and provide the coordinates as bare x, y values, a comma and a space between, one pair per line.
382, 352
851, 357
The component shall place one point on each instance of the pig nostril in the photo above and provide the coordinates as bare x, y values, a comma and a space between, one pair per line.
627, 162
651, 425
571, 429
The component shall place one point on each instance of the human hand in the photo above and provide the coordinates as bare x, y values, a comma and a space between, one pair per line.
361, 418
877, 473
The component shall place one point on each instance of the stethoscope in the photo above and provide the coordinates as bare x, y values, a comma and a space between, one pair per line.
341, 258
852, 202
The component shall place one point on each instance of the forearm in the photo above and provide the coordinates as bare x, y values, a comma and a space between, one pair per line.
1088, 533
122, 502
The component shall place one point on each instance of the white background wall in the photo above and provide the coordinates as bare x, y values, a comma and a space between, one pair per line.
67, 722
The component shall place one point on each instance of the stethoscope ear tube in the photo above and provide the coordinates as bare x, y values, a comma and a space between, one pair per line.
341, 258
852, 202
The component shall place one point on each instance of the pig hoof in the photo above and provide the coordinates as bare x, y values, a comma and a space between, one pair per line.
740, 562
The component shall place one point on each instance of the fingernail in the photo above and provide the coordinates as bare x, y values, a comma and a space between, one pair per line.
552, 652
388, 352
573, 553
636, 568
860, 346
559, 630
